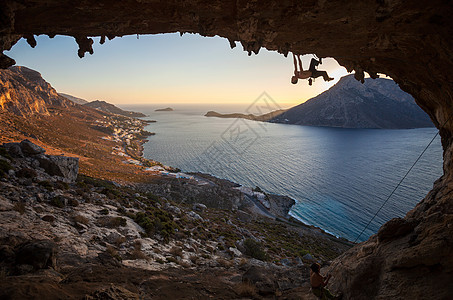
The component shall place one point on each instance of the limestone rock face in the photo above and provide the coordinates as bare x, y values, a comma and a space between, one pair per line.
24, 92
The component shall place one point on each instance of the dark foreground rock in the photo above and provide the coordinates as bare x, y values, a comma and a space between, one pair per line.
44, 167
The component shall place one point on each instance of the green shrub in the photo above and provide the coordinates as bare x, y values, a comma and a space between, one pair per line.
4, 167
112, 222
156, 221
159, 260
73, 202
4, 153
57, 201
81, 219
46, 184
26, 173
258, 189
254, 249
19, 207
86, 180
172, 259
61, 185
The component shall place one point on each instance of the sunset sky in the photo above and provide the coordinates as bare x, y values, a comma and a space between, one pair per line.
169, 69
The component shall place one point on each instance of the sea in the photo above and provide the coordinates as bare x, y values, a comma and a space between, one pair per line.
341, 179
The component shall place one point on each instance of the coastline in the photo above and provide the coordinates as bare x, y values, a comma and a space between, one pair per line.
278, 208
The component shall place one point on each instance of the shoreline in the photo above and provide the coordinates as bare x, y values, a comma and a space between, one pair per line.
288, 217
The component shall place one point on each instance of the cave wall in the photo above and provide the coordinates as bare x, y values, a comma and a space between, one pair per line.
407, 40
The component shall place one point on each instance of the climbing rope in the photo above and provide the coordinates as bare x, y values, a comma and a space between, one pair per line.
401, 181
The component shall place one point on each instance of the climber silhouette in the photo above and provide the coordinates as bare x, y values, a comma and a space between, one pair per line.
310, 73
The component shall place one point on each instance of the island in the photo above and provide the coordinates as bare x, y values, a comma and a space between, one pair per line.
263, 117
164, 109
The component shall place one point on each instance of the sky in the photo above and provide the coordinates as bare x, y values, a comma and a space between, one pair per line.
168, 68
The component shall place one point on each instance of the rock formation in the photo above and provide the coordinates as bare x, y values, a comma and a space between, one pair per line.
24, 92
27, 154
409, 41
378, 103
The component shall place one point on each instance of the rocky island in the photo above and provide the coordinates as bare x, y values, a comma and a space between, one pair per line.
164, 109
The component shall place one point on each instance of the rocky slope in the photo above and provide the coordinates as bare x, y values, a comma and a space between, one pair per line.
74, 99
24, 92
34, 110
82, 237
112, 109
378, 103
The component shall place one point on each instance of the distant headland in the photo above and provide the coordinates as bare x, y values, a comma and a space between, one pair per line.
264, 117
164, 109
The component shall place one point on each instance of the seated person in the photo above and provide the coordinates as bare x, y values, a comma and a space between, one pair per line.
318, 283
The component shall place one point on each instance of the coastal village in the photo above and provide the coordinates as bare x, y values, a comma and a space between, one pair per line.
130, 135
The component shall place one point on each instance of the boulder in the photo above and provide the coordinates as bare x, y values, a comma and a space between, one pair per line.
199, 207
29, 148
243, 216
235, 252
40, 254
394, 228
66, 167
194, 216
308, 257
262, 278
14, 149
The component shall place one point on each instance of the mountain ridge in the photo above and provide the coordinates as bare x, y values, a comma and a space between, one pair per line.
24, 92
74, 99
378, 103
110, 108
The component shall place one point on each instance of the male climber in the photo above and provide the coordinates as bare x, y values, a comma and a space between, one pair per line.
310, 73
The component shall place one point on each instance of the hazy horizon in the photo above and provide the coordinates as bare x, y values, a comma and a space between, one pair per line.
169, 69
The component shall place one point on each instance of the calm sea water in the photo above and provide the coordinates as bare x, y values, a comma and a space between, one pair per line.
338, 177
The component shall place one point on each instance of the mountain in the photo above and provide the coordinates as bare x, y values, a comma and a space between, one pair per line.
378, 103
110, 108
24, 92
74, 99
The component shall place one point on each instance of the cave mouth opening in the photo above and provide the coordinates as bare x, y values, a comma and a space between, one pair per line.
215, 58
